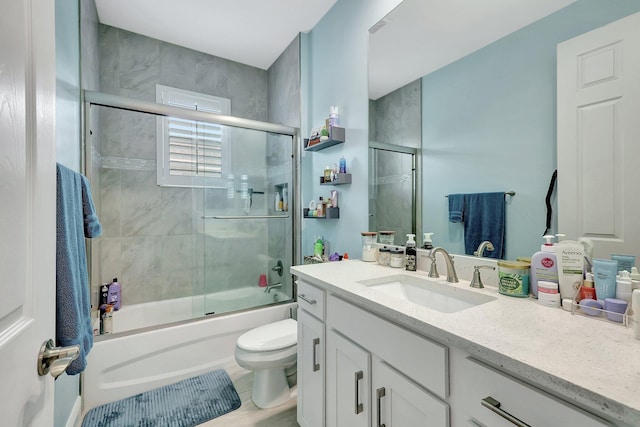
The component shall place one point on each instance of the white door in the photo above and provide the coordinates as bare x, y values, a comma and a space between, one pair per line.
348, 383
27, 208
399, 402
599, 137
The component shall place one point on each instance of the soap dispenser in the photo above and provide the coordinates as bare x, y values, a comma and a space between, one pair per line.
426, 241
544, 265
410, 253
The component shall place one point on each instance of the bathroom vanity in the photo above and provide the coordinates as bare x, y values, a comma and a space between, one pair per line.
382, 346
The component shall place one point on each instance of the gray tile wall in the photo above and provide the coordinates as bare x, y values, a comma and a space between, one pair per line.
284, 108
153, 239
395, 119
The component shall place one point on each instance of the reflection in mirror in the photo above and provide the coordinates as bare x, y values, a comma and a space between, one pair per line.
394, 160
488, 107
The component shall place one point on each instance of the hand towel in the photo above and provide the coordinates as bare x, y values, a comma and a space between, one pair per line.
456, 207
75, 219
484, 219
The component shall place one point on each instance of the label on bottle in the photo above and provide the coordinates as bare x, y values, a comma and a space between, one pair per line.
410, 262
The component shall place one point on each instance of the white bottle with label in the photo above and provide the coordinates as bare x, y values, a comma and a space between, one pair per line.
570, 257
544, 265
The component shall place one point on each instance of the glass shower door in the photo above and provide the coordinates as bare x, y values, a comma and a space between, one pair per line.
246, 227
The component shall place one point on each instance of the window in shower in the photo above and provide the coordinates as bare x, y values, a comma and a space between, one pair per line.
188, 148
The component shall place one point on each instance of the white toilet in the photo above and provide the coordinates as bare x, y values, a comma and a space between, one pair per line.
270, 351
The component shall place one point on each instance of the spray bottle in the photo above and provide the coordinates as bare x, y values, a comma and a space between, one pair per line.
410, 253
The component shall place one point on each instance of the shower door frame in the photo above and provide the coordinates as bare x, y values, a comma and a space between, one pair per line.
91, 98
416, 178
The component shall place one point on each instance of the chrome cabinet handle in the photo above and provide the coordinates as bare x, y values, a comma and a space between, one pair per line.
316, 365
380, 393
303, 298
493, 405
359, 406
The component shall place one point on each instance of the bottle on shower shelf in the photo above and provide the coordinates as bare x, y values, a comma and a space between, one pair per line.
114, 294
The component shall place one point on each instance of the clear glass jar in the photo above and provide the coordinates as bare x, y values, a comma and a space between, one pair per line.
397, 258
384, 256
369, 249
386, 237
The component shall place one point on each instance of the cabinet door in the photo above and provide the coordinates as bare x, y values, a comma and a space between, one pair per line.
398, 402
311, 370
348, 383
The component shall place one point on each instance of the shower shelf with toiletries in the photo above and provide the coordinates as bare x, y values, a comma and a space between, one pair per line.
340, 179
332, 213
336, 136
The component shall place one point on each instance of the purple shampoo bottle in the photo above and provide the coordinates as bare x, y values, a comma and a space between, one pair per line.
114, 294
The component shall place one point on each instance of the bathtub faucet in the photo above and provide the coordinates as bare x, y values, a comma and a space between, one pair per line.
268, 289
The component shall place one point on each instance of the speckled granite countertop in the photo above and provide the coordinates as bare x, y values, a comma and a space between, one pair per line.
594, 364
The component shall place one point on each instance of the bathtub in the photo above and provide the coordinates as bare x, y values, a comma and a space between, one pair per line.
148, 314
126, 364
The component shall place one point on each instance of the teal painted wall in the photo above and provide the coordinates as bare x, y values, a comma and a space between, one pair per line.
334, 72
489, 124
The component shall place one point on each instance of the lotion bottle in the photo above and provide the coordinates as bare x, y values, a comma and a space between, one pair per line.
544, 265
570, 261
410, 253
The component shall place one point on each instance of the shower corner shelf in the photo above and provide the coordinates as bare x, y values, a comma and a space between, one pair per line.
337, 137
342, 178
332, 213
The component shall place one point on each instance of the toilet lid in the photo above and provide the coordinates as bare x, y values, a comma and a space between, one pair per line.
273, 336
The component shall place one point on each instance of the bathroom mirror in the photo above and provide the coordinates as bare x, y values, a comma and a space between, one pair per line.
486, 76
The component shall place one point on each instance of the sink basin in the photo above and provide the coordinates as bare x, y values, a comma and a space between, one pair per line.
428, 293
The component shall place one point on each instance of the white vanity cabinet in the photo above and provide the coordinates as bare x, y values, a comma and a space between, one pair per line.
311, 352
481, 395
381, 374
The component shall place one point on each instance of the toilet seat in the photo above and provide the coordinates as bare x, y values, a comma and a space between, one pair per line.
273, 336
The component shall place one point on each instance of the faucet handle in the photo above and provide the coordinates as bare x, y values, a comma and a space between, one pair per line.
476, 281
433, 270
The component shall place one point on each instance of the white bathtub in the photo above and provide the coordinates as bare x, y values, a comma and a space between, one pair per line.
144, 315
122, 366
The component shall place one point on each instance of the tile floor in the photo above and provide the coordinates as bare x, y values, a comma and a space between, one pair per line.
248, 414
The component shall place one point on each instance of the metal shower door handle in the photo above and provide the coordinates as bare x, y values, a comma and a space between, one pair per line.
55, 360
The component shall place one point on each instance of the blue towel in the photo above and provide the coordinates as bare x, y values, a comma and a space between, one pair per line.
456, 207
484, 219
75, 219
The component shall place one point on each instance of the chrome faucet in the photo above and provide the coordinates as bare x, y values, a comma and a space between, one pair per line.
268, 288
452, 277
484, 245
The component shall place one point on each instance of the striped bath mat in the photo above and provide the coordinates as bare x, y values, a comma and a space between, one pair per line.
186, 403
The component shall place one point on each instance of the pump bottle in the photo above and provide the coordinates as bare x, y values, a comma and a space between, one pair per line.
544, 265
410, 253
426, 241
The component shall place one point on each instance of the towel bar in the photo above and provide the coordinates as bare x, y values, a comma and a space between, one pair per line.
507, 193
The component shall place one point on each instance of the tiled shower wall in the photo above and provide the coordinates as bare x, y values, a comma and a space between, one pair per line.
396, 119
154, 239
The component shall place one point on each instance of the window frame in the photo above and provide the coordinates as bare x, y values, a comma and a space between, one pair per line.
187, 99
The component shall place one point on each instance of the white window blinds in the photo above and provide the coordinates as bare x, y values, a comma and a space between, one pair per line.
191, 149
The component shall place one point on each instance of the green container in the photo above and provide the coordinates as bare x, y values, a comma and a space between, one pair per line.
513, 278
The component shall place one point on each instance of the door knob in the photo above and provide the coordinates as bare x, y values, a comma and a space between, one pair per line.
55, 360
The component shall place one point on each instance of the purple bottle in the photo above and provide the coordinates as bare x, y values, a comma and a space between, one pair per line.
114, 294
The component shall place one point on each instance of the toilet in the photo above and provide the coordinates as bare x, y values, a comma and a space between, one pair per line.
270, 352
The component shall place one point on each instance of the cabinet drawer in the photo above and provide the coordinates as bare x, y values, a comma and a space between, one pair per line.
529, 405
311, 299
424, 361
